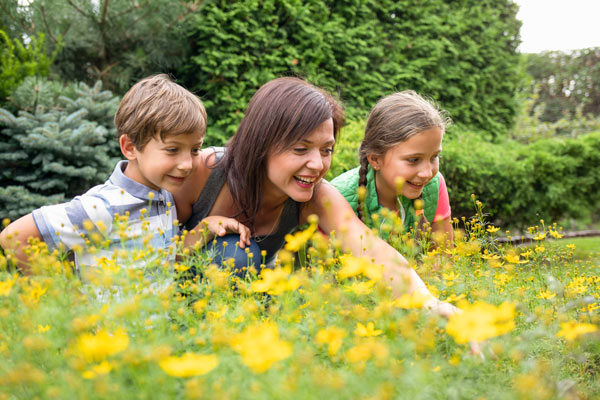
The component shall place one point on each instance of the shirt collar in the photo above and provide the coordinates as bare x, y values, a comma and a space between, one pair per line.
134, 188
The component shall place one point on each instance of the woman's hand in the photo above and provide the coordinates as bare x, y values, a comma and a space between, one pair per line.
216, 225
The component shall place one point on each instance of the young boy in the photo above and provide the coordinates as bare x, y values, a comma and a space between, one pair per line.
160, 127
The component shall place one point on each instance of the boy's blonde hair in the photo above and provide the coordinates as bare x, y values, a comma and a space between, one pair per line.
158, 106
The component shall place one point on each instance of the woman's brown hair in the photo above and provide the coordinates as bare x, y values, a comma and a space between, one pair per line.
280, 114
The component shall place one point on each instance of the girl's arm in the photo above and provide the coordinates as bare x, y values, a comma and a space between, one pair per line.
335, 214
442, 222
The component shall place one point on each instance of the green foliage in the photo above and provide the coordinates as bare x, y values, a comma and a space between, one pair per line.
462, 54
346, 148
53, 152
565, 84
519, 184
529, 126
18, 61
115, 41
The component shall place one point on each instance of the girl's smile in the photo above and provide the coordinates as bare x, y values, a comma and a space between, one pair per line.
415, 161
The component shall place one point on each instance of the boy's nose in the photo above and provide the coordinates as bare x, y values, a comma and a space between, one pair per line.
185, 163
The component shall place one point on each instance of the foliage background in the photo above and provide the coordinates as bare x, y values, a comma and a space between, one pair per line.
460, 53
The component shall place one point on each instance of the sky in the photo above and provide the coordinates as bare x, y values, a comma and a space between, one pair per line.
558, 24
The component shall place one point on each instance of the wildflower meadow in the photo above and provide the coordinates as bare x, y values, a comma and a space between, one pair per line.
320, 324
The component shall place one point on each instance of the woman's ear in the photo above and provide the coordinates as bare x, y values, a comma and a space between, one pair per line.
374, 161
127, 147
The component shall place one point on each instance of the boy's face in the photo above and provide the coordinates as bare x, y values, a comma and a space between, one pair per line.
163, 165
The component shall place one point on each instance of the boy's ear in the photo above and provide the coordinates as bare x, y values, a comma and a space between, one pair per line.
374, 160
127, 147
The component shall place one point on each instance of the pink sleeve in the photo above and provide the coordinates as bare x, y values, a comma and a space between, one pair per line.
443, 207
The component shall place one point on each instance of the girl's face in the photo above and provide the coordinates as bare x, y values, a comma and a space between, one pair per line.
416, 160
294, 172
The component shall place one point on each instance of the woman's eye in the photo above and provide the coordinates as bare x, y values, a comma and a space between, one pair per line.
413, 160
328, 151
171, 150
299, 150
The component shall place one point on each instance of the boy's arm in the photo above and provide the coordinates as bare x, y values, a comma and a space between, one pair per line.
14, 238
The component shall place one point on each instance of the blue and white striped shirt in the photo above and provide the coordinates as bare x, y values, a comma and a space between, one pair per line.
89, 224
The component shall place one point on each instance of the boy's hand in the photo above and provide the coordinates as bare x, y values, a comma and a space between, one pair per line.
220, 226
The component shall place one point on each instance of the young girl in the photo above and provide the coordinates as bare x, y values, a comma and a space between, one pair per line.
403, 141
269, 178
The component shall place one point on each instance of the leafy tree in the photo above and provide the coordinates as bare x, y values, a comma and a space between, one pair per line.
115, 41
462, 53
565, 84
61, 143
18, 61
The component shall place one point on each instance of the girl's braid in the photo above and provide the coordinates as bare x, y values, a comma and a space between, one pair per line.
362, 180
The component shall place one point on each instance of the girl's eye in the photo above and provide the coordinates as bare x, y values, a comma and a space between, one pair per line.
327, 152
413, 160
171, 150
300, 150
196, 151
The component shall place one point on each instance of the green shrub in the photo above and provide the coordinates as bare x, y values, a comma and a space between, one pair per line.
461, 54
57, 151
519, 184
18, 61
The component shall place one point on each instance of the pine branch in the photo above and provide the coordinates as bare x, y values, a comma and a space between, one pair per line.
43, 10
80, 11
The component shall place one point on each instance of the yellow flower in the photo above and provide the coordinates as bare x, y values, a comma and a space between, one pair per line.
275, 281
102, 344
514, 259
361, 288
42, 329
298, 239
492, 229
366, 331
413, 300
101, 369
6, 286
570, 246
189, 364
546, 294
481, 321
331, 336
572, 329
354, 266
364, 351
260, 346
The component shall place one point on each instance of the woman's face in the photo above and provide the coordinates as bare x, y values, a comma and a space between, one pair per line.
294, 171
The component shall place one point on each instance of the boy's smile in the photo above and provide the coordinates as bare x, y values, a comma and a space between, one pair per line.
163, 165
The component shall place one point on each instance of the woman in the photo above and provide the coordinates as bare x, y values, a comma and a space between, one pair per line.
270, 179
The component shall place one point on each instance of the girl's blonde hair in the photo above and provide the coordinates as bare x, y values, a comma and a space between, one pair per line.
394, 119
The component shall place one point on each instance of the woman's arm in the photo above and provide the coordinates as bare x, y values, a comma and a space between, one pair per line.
335, 214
